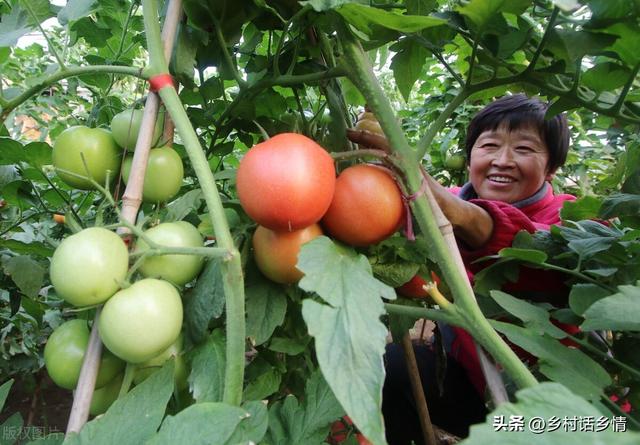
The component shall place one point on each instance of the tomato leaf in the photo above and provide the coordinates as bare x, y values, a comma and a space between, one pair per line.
583, 295
549, 402
482, 12
619, 311
32, 248
364, 17
571, 367
534, 317
266, 308
293, 423
253, 428
264, 385
75, 9
207, 422
205, 302
207, 369
349, 336
27, 273
528, 255
4, 392
407, 65
133, 418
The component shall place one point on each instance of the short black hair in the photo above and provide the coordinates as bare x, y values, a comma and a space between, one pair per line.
517, 111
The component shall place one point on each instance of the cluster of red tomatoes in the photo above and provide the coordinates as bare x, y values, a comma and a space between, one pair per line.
288, 185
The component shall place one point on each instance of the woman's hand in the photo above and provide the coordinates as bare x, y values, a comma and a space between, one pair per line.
471, 223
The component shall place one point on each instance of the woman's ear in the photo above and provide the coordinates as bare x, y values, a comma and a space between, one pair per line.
550, 175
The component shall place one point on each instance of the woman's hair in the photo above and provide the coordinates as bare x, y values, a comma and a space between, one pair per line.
518, 111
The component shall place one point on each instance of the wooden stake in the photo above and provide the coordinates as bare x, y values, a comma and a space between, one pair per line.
131, 204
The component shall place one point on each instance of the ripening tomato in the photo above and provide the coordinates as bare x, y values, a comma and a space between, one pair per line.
64, 354
286, 182
141, 321
414, 287
178, 269
163, 177
180, 370
276, 253
78, 145
125, 127
366, 208
88, 267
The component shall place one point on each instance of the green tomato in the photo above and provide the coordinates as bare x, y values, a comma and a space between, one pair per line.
93, 145
178, 269
180, 371
64, 353
126, 125
163, 177
455, 162
88, 267
141, 321
104, 397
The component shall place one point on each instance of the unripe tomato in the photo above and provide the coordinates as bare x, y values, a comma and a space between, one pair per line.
125, 127
98, 149
64, 353
163, 177
286, 182
180, 371
97, 258
179, 269
141, 321
370, 125
455, 162
366, 208
104, 397
276, 253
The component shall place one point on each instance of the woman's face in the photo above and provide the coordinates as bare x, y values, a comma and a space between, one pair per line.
508, 166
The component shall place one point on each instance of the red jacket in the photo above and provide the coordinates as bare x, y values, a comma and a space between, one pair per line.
538, 212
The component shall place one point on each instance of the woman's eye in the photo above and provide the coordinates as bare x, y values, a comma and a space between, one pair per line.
524, 148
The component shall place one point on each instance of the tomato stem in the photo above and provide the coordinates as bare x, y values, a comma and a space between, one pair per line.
127, 380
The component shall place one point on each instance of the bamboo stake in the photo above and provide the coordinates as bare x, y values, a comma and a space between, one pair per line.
131, 204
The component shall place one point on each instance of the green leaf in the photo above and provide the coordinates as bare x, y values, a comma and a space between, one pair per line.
27, 273
364, 17
619, 311
571, 46
266, 307
534, 317
605, 77
395, 274
38, 10
571, 367
621, 204
205, 302
4, 392
75, 9
133, 418
481, 12
583, 208
12, 429
252, 428
407, 65
550, 402
13, 26
264, 385
51, 439
527, 255
32, 248
184, 205
349, 336
207, 369
202, 423
292, 423
583, 295
289, 346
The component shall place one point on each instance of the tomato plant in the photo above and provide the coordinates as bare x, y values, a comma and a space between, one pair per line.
104, 397
179, 269
180, 369
125, 127
366, 207
163, 178
276, 253
65, 350
97, 255
286, 182
141, 321
87, 152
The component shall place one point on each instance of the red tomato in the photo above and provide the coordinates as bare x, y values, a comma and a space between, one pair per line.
413, 288
286, 182
276, 253
366, 208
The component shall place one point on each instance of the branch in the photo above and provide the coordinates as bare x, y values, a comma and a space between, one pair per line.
9, 106
543, 41
625, 90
